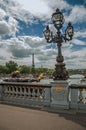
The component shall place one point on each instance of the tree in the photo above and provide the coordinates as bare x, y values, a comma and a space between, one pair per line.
3, 69
12, 66
24, 69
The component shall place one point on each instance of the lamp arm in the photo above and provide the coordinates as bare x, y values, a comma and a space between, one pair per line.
49, 41
66, 39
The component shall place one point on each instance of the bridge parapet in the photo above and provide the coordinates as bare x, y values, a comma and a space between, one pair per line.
55, 95
77, 96
26, 93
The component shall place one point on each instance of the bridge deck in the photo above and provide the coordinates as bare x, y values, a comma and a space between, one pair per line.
17, 118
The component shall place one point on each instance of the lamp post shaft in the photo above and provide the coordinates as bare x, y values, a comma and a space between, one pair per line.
59, 44
59, 56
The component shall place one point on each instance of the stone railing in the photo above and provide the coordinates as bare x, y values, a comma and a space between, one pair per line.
25, 93
77, 96
55, 95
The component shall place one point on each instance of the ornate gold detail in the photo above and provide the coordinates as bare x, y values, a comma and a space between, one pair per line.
58, 88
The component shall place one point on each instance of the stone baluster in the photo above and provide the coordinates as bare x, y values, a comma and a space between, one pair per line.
38, 94
16, 91
80, 95
41, 93
20, 92
11, 91
5, 90
36, 89
8, 91
29, 93
24, 92
33, 92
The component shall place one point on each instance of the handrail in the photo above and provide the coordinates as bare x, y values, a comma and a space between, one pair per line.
26, 84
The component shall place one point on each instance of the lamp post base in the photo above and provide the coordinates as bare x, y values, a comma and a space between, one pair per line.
60, 72
59, 94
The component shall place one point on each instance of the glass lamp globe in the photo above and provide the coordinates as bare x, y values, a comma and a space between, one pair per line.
70, 30
57, 19
47, 33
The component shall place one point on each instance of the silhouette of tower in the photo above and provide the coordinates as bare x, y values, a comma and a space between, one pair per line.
33, 64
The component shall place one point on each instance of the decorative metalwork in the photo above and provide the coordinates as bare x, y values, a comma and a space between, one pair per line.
58, 20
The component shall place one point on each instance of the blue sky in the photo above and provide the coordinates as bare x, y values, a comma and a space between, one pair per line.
21, 32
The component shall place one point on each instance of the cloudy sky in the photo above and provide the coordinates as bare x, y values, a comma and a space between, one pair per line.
21, 32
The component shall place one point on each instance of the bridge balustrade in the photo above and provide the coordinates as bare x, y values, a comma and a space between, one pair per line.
40, 95
25, 93
77, 94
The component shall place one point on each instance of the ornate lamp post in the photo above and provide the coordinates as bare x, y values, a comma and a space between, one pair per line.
60, 72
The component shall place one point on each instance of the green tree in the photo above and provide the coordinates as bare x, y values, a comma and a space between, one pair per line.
24, 69
3, 69
12, 66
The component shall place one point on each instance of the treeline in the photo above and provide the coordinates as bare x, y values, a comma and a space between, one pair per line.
12, 66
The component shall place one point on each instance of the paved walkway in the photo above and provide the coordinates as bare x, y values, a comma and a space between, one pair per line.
17, 118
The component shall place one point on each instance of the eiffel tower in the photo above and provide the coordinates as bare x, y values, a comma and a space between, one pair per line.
33, 64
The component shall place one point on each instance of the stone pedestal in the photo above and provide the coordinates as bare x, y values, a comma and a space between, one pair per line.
59, 94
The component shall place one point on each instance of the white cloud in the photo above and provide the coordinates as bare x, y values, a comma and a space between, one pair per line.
11, 8
80, 33
13, 24
9, 27
43, 9
34, 7
21, 51
61, 4
75, 59
34, 42
4, 28
77, 14
9, 12
2, 14
78, 42
21, 48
